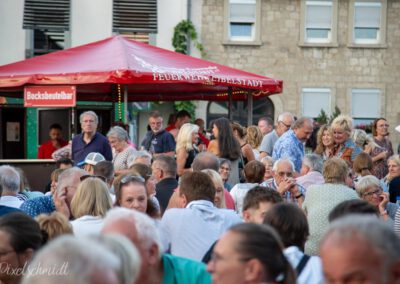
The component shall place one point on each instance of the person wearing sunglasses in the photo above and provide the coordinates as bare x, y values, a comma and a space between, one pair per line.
369, 189
131, 192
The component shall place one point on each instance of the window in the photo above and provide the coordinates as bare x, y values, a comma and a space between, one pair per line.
318, 25
314, 100
368, 20
242, 20
47, 23
135, 16
366, 105
318, 22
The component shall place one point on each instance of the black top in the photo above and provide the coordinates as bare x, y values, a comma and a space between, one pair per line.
189, 160
394, 189
164, 189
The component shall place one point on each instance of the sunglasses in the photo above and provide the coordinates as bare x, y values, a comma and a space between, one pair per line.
130, 178
93, 176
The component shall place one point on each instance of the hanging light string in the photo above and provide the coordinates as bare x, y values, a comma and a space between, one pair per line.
119, 103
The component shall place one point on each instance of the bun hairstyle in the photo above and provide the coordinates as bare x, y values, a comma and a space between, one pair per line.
242, 131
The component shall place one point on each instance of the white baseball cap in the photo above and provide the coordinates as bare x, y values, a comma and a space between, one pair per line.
92, 159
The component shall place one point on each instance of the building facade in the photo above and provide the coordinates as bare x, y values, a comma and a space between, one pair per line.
343, 53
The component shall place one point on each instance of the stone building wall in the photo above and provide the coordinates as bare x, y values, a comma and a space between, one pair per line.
340, 68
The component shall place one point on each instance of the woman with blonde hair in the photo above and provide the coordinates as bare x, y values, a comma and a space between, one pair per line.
362, 165
185, 147
53, 225
325, 142
254, 139
89, 205
219, 200
345, 148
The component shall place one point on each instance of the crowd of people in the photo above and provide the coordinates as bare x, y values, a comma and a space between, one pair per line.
294, 202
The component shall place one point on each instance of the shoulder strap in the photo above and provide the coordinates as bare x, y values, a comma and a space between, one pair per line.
302, 264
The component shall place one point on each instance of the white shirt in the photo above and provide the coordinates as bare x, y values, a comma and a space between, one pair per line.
87, 225
312, 272
238, 193
189, 232
11, 201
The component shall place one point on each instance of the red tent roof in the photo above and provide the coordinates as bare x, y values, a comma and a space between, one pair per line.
149, 72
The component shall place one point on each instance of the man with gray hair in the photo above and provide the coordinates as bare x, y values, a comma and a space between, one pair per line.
70, 260
89, 140
156, 267
291, 144
284, 183
164, 171
360, 249
7, 179
284, 122
311, 171
68, 182
10, 182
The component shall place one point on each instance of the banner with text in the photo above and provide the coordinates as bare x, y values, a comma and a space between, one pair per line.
50, 96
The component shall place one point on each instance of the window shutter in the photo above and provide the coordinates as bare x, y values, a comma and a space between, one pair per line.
135, 15
319, 16
47, 14
367, 16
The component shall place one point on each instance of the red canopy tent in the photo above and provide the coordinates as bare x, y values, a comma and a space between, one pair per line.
147, 73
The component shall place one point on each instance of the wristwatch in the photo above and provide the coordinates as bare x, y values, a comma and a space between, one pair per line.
298, 196
384, 213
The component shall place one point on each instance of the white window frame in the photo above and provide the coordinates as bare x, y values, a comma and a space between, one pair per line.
380, 41
316, 92
331, 41
369, 114
255, 38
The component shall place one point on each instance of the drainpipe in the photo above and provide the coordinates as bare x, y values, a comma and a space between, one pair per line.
189, 18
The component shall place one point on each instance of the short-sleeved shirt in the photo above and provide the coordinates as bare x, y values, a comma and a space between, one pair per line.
179, 270
160, 142
99, 144
47, 148
40, 205
290, 147
268, 142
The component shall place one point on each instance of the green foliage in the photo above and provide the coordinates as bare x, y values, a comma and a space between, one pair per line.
186, 105
323, 118
183, 32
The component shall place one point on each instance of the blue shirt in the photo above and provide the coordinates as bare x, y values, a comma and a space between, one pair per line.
6, 210
191, 231
179, 270
290, 147
39, 205
161, 142
99, 144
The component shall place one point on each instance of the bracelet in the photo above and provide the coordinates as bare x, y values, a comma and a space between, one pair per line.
384, 213
299, 196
